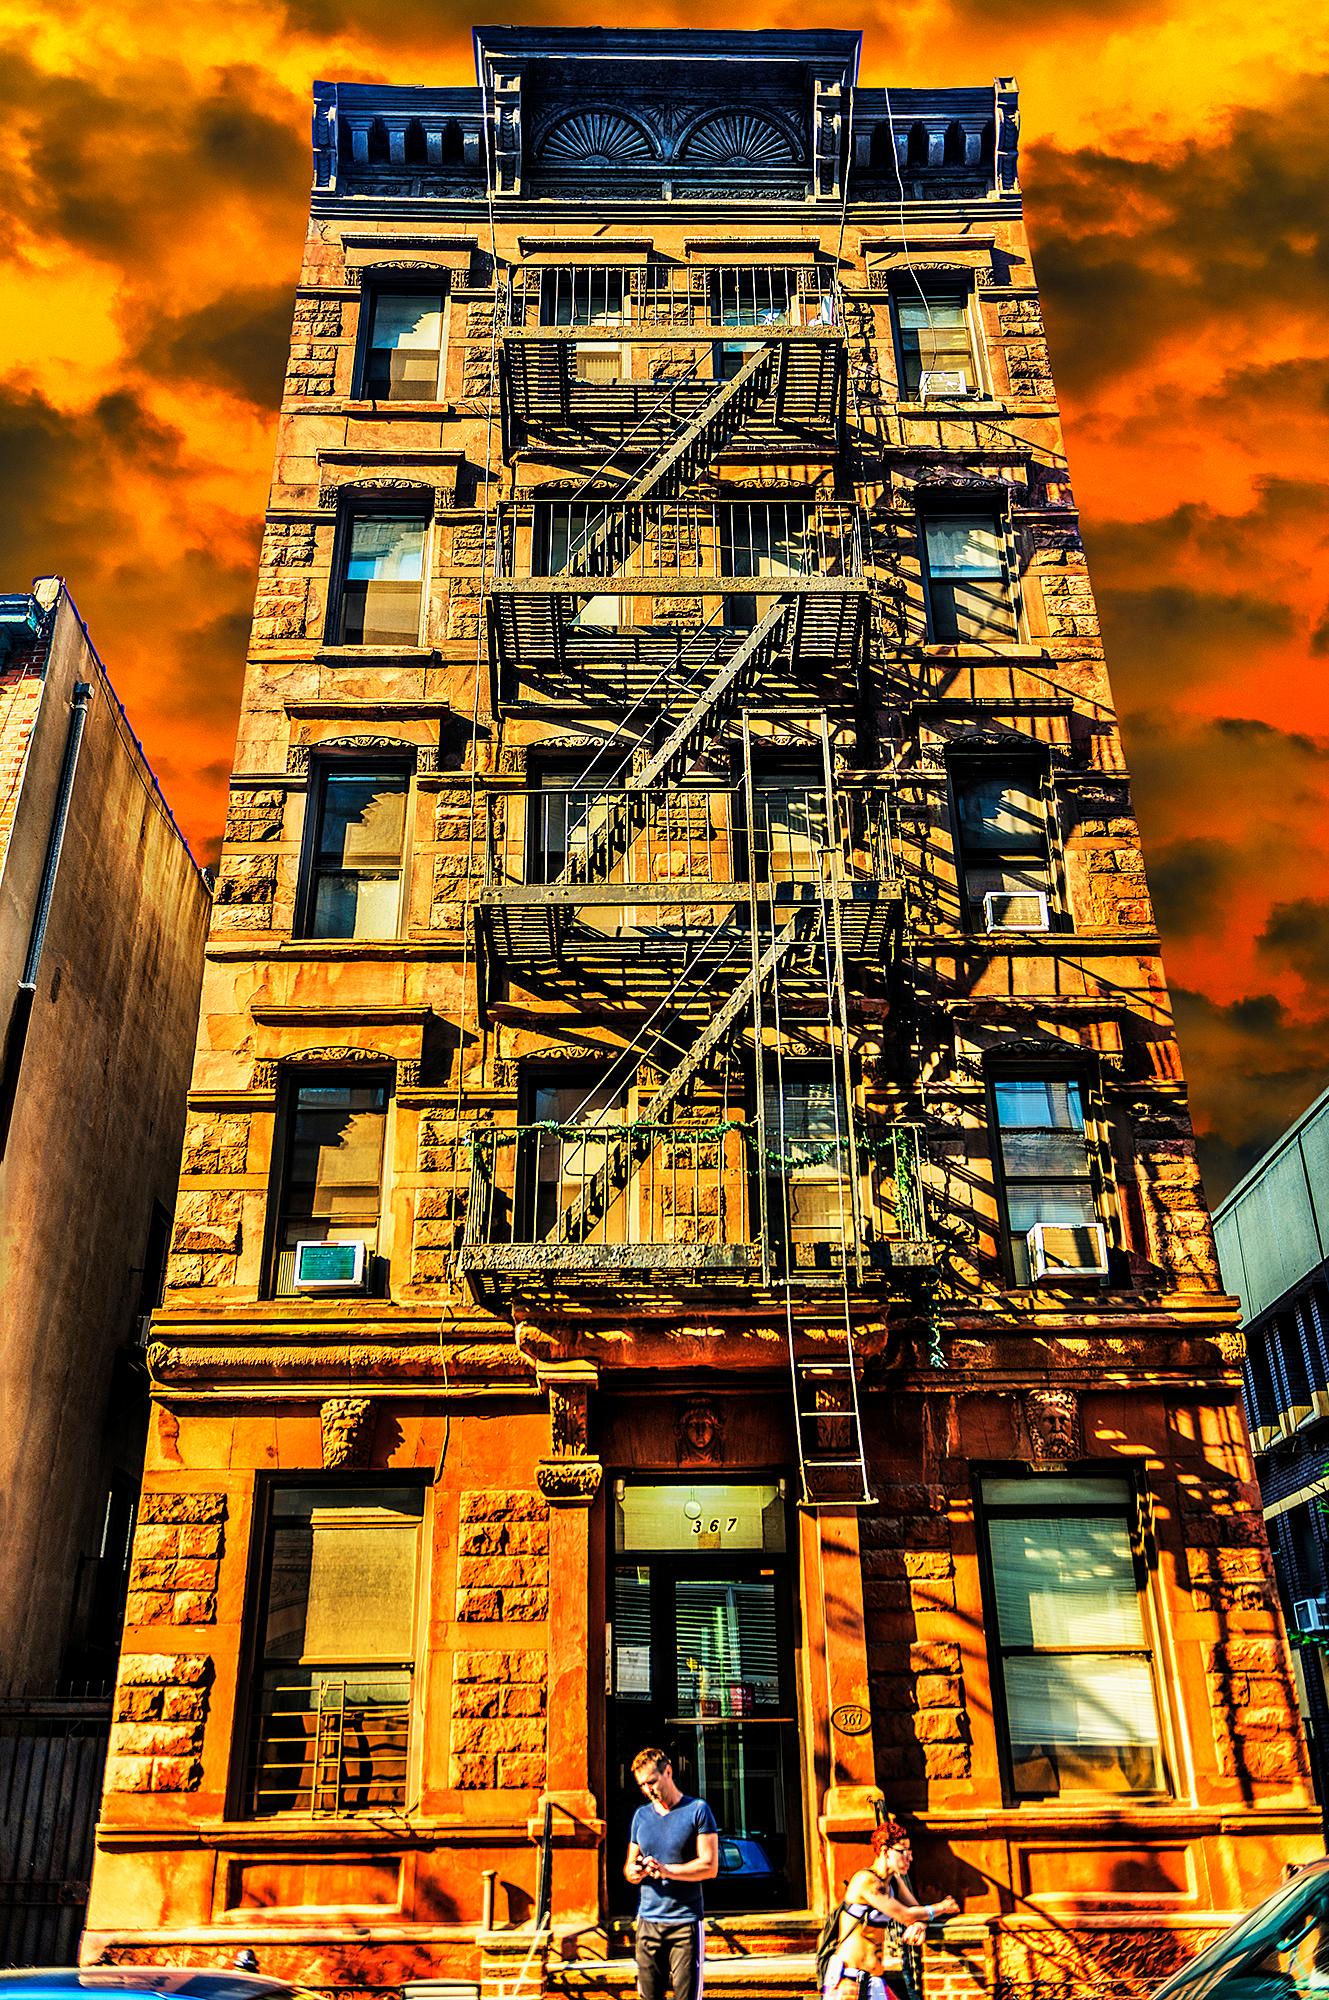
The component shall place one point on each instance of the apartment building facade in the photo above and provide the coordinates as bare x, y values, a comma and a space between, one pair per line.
690, 1231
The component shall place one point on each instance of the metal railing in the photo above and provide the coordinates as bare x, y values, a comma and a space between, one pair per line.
608, 300
681, 541
332, 1740
673, 838
618, 1185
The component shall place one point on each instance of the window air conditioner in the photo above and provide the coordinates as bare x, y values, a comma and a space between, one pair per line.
329, 1267
1015, 910
1310, 1614
1067, 1250
945, 382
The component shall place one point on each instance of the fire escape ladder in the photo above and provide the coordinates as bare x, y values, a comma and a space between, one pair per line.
831, 1459
601, 1189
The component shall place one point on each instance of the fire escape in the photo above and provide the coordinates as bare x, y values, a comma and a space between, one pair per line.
714, 873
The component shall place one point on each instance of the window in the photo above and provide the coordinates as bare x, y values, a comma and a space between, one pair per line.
1046, 1168
558, 815
936, 339
588, 295
968, 591
565, 1168
1003, 848
791, 831
1067, 1624
336, 1645
355, 864
332, 1186
805, 1126
404, 354
383, 569
756, 296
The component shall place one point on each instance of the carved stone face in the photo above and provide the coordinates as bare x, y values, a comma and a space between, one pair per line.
699, 1432
1054, 1423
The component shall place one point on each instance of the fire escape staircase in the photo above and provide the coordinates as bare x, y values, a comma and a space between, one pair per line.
603, 1187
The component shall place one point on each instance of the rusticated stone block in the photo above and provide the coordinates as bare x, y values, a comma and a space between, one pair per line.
194, 1607
479, 1605
946, 1760
520, 1773
939, 1691
521, 1700
473, 1774
941, 1725
129, 1774
934, 1656
482, 1698
526, 1606
498, 1503
160, 1712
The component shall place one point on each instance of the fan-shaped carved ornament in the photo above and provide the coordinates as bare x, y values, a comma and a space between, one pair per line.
595, 139
738, 139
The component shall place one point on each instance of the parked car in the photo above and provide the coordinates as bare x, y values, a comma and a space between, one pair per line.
179, 1982
1279, 1952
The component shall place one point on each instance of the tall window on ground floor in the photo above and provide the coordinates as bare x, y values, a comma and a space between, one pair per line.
1068, 1625
335, 1649
331, 1187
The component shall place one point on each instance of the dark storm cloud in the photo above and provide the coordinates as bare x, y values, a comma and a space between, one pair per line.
1128, 251
107, 172
237, 341
1261, 1066
1188, 880
1173, 632
1298, 931
57, 460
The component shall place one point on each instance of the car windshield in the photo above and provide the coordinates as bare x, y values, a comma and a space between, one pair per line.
1279, 1952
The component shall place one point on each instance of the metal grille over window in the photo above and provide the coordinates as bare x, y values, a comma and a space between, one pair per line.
381, 580
1076, 1661
404, 359
337, 1625
969, 592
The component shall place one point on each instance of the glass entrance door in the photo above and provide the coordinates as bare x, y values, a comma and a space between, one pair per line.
702, 1666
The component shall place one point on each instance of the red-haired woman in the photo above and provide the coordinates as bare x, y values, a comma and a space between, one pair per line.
879, 1916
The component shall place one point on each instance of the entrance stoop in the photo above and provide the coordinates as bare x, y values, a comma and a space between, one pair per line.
747, 1957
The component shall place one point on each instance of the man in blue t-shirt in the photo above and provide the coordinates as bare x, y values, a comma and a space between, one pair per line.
673, 1849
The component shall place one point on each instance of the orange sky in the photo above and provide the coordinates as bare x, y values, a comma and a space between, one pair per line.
1176, 170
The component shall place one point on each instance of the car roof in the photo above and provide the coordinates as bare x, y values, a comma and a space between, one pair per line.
190, 1982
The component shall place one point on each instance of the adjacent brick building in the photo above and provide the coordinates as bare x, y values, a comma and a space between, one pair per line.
690, 1229
103, 914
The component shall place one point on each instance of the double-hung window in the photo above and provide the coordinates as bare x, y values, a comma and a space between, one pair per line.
1069, 1628
936, 346
403, 360
336, 1648
1047, 1175
331, 1187
1003, 860
806, 1132
968, 588
383, 567
355, 851
753, 295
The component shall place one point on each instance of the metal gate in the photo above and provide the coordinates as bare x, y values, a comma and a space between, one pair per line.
52, 1756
